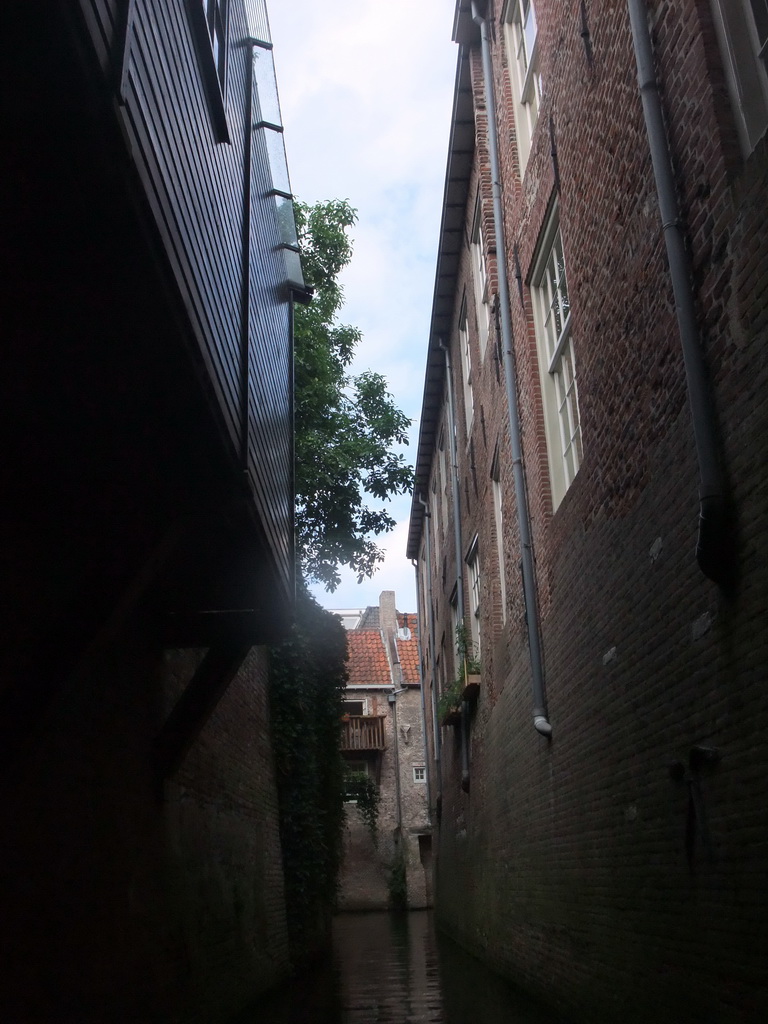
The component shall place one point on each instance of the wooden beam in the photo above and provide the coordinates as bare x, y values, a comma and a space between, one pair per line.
238, 626
195, 706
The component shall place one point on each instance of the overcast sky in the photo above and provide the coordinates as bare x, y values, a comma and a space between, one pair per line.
366, 89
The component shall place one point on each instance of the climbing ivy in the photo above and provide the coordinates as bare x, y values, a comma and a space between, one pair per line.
307, 679
361, 788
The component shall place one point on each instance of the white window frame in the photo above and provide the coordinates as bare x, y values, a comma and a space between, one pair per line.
473, 564
466, 367
361, 766
434, 510
454, 606
557, 368
744, 49
521, 37
357, 700
498, 521
421, 778
480, 278
443, 479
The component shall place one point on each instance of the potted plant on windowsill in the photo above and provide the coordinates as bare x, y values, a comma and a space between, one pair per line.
449, 703
470, 663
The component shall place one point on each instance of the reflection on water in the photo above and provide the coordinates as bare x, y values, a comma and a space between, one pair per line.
391, 969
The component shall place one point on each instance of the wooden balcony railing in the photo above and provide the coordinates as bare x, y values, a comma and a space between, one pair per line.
363, 732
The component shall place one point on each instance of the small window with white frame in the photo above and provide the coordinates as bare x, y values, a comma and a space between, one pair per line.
466, 367
473, 564
480, 278
552, 314
742, 29
454, 605
498, 522
520, 32
420, 773
434, 515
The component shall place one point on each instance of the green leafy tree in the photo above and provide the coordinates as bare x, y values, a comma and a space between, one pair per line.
348, 428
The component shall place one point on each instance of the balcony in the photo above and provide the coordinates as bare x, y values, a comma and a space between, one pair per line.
362, 732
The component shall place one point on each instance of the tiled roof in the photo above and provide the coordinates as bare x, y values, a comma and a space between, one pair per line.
367, 663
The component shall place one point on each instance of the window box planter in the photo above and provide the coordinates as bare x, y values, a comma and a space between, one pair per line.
452, 716
471, 687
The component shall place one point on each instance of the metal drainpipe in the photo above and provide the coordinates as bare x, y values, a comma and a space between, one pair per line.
392, 699
432, 662
540, 716
457, 542
715, 543
415, 565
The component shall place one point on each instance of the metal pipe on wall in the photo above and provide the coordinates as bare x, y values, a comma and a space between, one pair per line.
415, 565
715, 546
459, 559
432, 661
540, 715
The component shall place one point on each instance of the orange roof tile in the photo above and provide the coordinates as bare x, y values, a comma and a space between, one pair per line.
367, 665
408, 652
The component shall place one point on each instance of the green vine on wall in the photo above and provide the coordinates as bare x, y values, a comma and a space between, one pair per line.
360, 788
307, 679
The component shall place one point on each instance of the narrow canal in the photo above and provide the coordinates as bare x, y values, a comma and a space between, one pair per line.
393, 969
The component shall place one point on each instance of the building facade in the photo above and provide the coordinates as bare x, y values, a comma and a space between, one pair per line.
589, 505
383, 739
147, 543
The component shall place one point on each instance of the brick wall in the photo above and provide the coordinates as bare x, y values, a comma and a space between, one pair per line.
566, 865
120, 903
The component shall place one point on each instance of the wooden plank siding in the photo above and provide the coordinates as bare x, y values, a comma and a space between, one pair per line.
194, 188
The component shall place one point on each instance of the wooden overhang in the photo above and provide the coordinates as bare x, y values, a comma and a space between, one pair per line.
146, 462
461, 152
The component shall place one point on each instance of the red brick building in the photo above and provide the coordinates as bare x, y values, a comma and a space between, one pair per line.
383, 737
590, 502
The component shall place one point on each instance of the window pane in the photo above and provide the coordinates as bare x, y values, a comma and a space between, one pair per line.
760, 13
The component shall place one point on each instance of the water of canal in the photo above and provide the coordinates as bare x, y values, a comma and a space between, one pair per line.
393, 969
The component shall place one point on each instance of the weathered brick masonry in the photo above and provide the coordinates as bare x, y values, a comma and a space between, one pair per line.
122, 902
579, 865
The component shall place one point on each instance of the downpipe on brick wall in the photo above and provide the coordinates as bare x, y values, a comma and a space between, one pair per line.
430, 623
715, 545
415, 565
457, 543
540, 716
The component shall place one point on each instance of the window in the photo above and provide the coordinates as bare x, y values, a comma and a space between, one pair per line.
466, 367
556, 361
419, 773
443, 480
434, 510
208, 19
355, 707
498, 521
480, 278
215, 22
355, 775
520, 32
473, 563
454, 602
742, 28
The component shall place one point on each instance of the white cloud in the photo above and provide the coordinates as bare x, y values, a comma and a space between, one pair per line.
395, 573
366, 91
